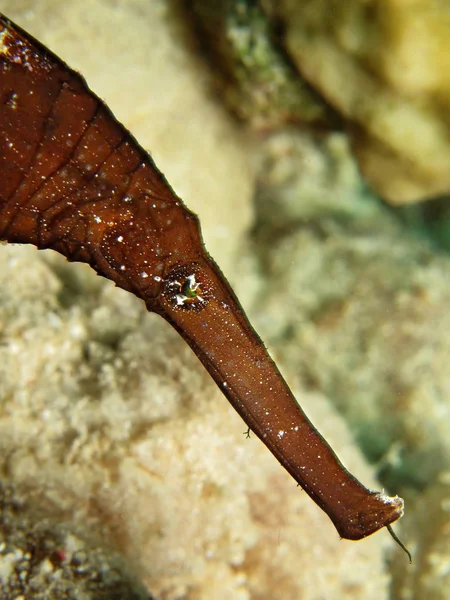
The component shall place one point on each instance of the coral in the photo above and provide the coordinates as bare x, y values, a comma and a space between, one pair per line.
384, 66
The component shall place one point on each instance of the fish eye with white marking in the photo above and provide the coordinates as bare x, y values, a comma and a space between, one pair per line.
184, 290
189, 291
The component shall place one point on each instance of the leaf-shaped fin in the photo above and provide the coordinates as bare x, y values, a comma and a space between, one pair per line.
74, 179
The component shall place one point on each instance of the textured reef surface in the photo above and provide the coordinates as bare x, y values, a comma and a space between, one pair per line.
384, 65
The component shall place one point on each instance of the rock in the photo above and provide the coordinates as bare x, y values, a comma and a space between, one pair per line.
42, 559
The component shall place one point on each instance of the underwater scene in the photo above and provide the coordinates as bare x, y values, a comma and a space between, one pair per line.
289, 436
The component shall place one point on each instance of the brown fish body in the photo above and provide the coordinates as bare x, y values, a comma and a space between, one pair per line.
74, 180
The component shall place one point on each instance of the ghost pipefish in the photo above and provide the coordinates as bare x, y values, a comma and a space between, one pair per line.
73, 179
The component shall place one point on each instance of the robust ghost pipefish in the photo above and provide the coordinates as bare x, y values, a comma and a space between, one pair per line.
74, 179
